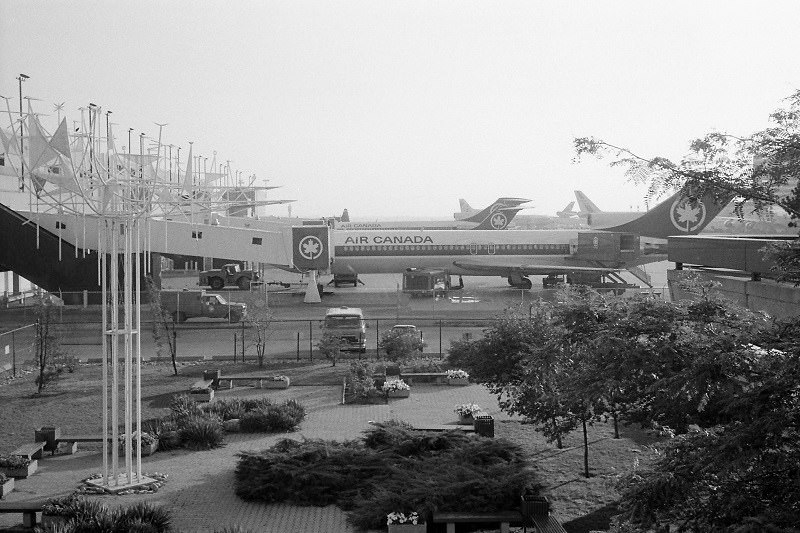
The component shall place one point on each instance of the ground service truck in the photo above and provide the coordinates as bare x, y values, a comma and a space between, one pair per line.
183, 305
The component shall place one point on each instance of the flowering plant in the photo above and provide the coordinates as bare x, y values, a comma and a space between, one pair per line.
395, 384
147, 438
467, 409
400, 518
14, 461
457, 374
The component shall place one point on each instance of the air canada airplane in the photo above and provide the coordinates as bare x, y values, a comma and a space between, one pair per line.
516, 255
497, 216
597, 218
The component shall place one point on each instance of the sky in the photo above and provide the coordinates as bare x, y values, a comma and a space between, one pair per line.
396, 109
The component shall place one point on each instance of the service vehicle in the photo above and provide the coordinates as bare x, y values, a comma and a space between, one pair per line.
429, 282
348, 324
230, 274
182, 305
409, 329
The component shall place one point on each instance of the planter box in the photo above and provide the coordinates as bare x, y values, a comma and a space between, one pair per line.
468, 419
48, 434
21, 472
6, 487
147, 449
534, 506
408, 528
398, 394
272, 384
458, 381
203, 396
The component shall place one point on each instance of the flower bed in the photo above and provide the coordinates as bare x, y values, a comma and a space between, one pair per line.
149, 443
457, 377
396, 388
466, 412
405, 523
17, 467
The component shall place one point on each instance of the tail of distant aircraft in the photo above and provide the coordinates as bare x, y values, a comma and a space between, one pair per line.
465, 207
585, 205
345, 216
680, 214
498, 215
567, 212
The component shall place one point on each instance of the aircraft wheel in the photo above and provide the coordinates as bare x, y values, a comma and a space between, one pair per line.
526, 284
216, 283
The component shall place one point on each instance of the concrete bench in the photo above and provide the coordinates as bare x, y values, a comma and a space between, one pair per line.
504, 518
30, 451
424, 377
27, 509
263, 382
72, 441
547, 524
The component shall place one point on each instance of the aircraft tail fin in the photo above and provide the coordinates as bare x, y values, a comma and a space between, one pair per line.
499, 219
345, 216
585, 205
465, 207
567, 212
501, 203
680, 214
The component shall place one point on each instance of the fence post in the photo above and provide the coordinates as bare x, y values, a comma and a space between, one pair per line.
13, 355
310, 343
377, 338
235, 347
85, 299
242, 341
440, 338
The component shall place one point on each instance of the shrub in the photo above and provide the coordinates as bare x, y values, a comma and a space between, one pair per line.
183, 407
3, 478
360, 380
273, 418
144, 517
14, 461
201, 433
424, 364
399, 345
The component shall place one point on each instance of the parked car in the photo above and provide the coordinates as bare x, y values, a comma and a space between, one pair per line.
408, 328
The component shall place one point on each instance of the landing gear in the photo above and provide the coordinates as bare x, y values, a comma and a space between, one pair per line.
519, 282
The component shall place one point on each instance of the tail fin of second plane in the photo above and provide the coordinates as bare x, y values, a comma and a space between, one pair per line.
680, 214
585, 205
501, 203
567, 212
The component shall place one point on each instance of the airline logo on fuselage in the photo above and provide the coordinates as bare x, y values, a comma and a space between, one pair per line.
389, 239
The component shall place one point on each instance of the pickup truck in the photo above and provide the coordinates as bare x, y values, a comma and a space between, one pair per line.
183, 305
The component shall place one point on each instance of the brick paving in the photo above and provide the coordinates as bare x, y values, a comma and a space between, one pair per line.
200, 490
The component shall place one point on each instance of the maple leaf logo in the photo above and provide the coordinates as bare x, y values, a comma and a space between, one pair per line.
499, 221
687, 215
310, 247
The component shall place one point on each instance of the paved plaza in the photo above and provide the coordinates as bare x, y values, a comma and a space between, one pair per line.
199, 492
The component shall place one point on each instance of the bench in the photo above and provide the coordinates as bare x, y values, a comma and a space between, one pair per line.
28, 510
445, 427
547, 524
72, 441
263, 381
30, 451
424, 377
201, 390
504, 518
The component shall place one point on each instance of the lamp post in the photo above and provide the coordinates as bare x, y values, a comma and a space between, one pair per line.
21, 78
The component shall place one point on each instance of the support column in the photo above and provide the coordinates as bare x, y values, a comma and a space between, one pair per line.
312, 293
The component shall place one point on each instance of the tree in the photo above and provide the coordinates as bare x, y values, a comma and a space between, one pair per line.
762, 167
400, 345
260, 319
330, 346
47, 344
163, 324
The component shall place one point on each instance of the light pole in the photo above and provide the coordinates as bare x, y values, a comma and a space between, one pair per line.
21, 78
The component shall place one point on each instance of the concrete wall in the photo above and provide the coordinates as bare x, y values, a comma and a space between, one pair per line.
781, 300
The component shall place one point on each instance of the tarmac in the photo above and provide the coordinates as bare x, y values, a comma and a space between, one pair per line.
200, 488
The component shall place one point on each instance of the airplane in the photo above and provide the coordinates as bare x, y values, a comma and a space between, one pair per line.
495, 217
595, 217
516, 255
565, 218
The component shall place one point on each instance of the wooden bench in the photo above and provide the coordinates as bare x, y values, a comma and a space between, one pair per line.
424, 377
504, 518
547, 524
202, 390
28, 510
30, 451
72, 441
261, 380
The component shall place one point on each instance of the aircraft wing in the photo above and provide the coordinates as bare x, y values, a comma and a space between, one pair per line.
504, 268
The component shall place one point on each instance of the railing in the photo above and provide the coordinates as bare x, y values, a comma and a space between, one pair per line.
16, 346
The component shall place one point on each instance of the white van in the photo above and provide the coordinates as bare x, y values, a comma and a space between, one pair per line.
348, 324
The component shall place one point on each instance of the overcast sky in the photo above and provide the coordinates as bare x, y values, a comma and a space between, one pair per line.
399, 108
